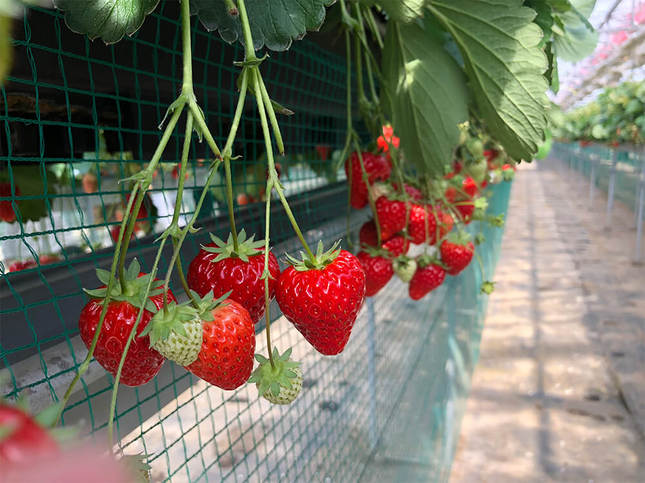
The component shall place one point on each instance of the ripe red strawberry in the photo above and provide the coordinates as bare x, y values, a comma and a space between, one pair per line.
6, 208
378, 271
446, 222
219, 268
397, 246
422, 226
466, 210
18, 265
456, 252
429, 276
469, 187
228, 344
21, 438
322, 297
142, 362
368, 235
414, 193
391, 216
377, 168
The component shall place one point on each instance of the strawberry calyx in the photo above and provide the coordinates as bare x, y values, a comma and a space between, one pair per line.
426, 260
271, 378
376, 252
488, 287
171, 319
404, 267
226, 249
130, 290
318, 261
208, 303
458, 237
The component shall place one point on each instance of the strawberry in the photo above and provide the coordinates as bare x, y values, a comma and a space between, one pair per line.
18, 265
220, 267
22, 439
469, 187
405, 268
377, 168
176, 333
397, 245
446, 222
391, 216
279, 383
429, 276
142, 362
378, 271
368, 235
422, 226
456, 252
414, 193
226, 356
321, 296
6, 208
508, 172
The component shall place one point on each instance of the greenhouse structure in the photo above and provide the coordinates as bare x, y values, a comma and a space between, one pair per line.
322, 240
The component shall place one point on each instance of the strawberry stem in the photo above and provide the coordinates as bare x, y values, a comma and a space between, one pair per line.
266, 273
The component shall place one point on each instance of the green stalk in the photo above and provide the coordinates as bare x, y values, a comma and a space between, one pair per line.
278, 188
151, 167
267, 273
178, 201
248, 38
228, 151
153, 273
117, 378
272, 117
82, 369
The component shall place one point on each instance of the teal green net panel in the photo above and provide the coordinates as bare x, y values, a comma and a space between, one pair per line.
77, 117
597, 162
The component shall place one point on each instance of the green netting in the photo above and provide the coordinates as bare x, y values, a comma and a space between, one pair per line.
598, 162
77, 117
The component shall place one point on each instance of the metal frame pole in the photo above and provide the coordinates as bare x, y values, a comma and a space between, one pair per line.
611, 190
592, 179
638, 257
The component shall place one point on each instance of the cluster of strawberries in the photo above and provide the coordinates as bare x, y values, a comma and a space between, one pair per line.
430, 215
213, 335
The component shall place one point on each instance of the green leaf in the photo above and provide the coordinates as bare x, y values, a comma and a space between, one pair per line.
578, 39
274, 24
425, 93
399, 10
107, 19
500, 46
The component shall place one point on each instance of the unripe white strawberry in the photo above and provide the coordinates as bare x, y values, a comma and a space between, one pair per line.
176, 333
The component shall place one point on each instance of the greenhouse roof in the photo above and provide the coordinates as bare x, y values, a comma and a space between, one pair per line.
618, 57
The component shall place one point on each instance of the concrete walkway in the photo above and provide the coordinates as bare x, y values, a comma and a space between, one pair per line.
559, 390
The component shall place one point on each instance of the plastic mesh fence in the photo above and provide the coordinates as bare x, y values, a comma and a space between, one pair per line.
77, 117
599, 163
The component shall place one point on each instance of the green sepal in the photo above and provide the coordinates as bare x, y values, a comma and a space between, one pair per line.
208, 303
48, 417
488, 287
319, 261
137, 466
479, 238
131, 291
426, 260
268, 377
458, 237
226, 249
169, 320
